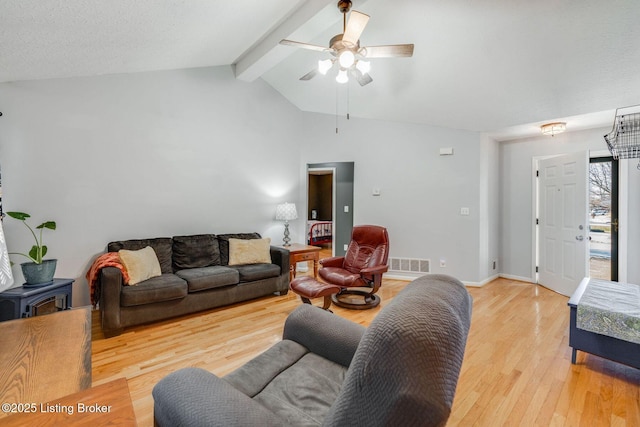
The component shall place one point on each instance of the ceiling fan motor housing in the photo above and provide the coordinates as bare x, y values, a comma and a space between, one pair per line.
337, 43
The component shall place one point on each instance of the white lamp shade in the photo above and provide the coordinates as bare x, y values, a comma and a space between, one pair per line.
363, 66
342, 76
286, 212
324, 66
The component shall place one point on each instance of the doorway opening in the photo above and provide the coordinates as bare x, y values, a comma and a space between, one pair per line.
341, 199
320, 209
603, 218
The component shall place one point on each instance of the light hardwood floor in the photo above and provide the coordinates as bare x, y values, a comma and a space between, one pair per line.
516, 371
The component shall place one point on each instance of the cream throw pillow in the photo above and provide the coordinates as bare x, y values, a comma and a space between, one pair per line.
141, 265
251, 251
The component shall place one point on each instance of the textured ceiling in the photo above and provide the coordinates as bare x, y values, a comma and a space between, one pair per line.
495, 66
62, 38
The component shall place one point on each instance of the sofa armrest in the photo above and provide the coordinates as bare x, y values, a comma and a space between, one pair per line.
336, 261
111, 283
324, 333
195, 397
280, 256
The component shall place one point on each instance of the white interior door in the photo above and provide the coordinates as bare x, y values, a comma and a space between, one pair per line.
563, 222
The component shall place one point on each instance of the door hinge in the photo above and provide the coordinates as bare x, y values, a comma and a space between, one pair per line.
537, 221
537, 173
536, 268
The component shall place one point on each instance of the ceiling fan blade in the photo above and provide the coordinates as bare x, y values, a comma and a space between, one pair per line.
311, 74
355, 27
305, 45
363, 79
388, 51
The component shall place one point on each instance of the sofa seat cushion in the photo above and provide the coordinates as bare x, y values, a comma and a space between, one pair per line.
253, 272
297, 386
161, 288
199, 279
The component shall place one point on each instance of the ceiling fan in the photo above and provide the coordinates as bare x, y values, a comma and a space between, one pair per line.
346, 51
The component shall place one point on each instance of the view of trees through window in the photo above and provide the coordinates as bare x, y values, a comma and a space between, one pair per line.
600, 191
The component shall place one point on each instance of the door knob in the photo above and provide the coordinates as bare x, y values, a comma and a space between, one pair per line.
580, 238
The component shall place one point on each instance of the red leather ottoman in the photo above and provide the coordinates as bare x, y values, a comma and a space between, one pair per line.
308, 287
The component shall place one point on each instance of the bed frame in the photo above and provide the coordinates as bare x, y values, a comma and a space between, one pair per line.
620, 351
320, 232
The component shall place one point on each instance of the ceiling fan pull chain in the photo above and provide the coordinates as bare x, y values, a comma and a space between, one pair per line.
337, 93
348, 98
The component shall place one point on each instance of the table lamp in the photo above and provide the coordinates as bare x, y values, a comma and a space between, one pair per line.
286, 212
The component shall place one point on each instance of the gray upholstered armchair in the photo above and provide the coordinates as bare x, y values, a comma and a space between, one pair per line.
401, 370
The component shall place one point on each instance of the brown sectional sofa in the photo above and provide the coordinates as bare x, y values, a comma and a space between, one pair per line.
196, 276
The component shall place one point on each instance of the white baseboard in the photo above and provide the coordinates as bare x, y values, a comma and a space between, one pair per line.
518, 278
403, 276
481, 284
412, 276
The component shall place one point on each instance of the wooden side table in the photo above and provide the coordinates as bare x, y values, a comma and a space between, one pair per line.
302, 253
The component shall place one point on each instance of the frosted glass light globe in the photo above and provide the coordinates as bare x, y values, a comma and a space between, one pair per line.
324, 66
342, 76
346, 58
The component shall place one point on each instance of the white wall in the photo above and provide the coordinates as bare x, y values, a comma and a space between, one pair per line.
489, 225
516, 197
194, 151
144, 155
421, 191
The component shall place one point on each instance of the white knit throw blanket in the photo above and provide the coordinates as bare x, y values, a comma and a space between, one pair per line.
6, 278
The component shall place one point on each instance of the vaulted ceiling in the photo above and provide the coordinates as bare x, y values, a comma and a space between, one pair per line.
495, 66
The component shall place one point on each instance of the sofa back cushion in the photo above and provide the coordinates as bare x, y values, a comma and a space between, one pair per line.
406, 367
223, 241
162, 247
196, 251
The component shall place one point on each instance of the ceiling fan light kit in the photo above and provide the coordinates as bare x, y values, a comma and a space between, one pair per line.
346, 50
342, 76
324, 66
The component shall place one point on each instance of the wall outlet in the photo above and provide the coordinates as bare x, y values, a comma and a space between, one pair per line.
345, 247
346, 209
443, 262
464, 211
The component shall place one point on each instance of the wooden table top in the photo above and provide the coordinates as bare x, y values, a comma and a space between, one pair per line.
299, 247
45, 357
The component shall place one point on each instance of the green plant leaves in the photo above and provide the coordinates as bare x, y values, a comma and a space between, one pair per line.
51, 225
33, 253
19, 215
38, 251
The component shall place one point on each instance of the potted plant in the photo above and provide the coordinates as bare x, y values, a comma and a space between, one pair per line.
37, 271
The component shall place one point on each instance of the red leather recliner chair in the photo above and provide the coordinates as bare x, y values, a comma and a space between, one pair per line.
361, 267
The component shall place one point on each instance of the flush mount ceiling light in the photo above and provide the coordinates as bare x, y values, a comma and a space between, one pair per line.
553, 128
346, 51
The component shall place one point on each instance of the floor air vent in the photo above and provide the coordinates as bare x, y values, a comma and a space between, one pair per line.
409, 265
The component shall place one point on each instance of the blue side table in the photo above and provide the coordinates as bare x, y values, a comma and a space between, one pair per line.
28, 301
